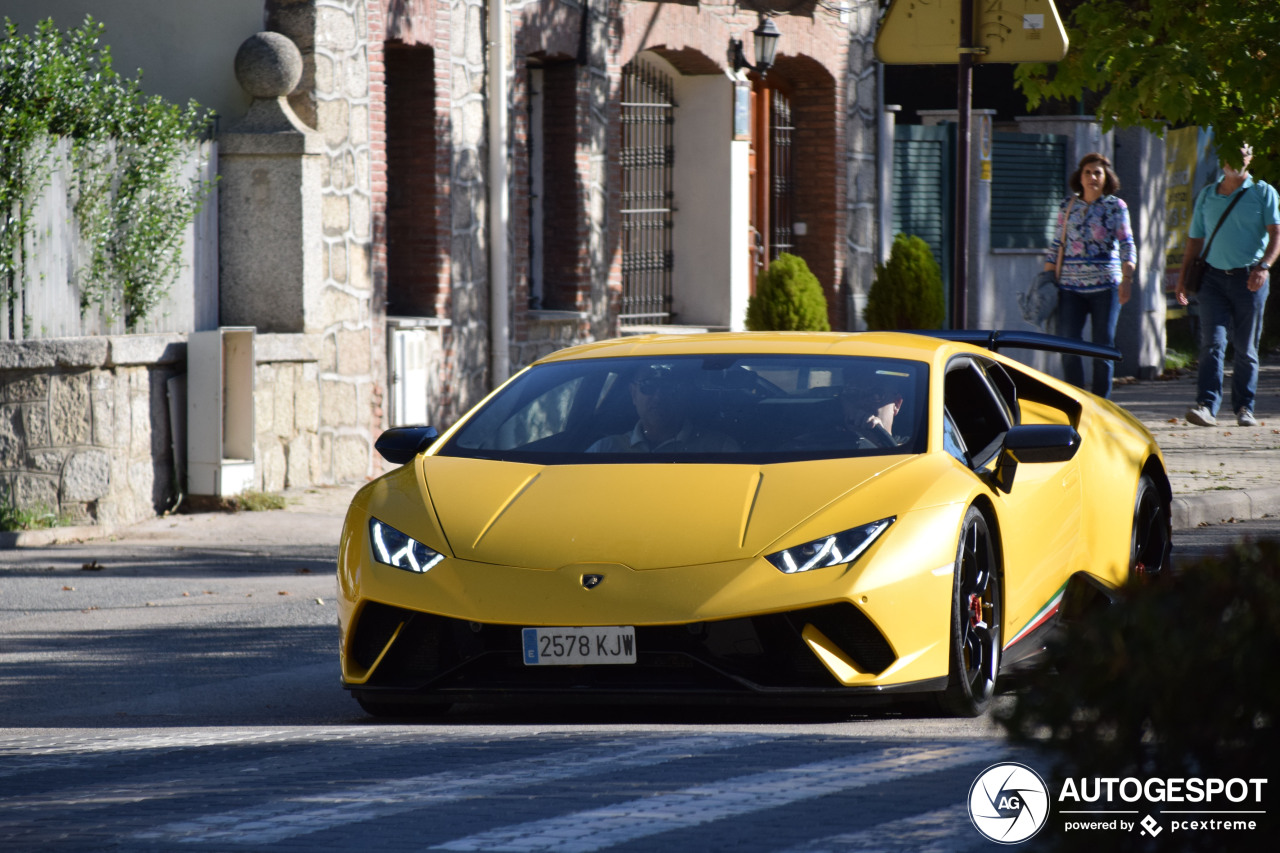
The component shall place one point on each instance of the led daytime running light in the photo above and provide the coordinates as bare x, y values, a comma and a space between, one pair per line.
394, 548
834, 550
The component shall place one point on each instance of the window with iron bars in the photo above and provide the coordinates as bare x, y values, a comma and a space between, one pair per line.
648, 125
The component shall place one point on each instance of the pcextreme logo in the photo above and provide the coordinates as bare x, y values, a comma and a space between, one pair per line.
1008, 803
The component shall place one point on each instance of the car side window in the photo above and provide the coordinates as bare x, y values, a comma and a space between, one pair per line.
1008, 391
951, 440
980, 414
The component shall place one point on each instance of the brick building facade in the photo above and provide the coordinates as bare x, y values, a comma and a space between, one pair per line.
567, 159
391, 312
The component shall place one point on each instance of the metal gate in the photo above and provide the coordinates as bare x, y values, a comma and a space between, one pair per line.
648, 131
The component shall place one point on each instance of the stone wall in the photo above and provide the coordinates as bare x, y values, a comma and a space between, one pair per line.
863, 243
340, 46
85, 427
466, 342
293, 448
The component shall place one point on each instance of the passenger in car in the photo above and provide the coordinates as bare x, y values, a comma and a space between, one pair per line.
662, 397
870, 401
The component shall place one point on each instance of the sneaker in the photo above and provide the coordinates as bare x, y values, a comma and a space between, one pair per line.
1201, 416
1244, 417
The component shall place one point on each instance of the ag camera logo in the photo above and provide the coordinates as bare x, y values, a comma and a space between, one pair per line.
1008, 803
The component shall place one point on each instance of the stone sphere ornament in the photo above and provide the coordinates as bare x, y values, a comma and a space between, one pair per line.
268, 65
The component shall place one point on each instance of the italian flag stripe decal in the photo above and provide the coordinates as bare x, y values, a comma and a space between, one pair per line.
1042, 615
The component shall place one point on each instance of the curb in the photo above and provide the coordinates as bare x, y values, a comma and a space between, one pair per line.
53, 536
1220, 506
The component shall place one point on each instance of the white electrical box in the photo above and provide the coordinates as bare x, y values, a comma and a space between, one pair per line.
220, 430
408, 376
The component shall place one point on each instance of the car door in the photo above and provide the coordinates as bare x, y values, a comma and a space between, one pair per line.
1039, 518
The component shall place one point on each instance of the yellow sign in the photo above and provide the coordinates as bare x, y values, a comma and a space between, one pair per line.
1182, 149
927, 32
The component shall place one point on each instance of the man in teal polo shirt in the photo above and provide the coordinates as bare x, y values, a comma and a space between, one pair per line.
1234, 288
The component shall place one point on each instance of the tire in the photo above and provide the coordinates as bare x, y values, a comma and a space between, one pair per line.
976, 608
1152, 538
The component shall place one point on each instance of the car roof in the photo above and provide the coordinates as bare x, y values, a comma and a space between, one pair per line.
878, 344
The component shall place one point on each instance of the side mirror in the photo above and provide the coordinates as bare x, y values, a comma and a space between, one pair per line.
1032, 443
401, 444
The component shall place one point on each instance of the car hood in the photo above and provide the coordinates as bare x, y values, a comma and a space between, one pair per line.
644, 516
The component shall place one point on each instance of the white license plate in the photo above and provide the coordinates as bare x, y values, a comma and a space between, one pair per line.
573, 646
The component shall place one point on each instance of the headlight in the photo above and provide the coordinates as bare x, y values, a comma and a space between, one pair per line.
392, 547
833, 550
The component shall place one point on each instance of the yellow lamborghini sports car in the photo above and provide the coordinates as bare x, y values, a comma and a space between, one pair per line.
770, 517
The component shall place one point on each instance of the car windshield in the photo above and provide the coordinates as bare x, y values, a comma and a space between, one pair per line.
707, 408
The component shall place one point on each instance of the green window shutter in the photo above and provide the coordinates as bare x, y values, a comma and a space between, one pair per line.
923, 187
1028, 182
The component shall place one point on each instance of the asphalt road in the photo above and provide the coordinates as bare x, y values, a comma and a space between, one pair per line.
155, 695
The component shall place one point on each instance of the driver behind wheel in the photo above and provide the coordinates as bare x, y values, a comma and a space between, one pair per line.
662, 396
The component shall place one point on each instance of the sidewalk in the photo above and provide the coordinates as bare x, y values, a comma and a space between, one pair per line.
312, 516
1217, 473
1220, 473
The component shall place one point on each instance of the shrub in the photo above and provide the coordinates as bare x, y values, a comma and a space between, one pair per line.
788, 297
131, 199
907, 291
1177, 681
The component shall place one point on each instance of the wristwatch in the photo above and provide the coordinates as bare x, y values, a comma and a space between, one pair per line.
1263, 267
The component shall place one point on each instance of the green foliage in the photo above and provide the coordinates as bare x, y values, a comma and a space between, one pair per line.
130, 200
1210, 63
38, 517
907, 291
255, 501
788, 298
1177, 681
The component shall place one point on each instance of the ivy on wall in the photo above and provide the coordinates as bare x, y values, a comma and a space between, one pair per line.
131, 200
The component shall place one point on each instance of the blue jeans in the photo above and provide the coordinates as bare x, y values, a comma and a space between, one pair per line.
1229, 313
1103, 307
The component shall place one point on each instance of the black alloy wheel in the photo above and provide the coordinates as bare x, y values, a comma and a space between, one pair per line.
976, 607
1152, 537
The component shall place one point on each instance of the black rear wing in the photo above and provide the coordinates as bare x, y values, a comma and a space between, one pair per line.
997, 339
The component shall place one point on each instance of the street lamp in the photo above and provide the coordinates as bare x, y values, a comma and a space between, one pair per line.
766, 43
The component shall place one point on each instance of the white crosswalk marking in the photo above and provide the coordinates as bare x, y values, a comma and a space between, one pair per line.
277, 821
597, 829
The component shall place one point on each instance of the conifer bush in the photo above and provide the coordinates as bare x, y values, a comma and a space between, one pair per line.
788, 298
907, 291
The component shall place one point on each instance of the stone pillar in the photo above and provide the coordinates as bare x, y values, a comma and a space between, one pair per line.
1140, 334
269, 199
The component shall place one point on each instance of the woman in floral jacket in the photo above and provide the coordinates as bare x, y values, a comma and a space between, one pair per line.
1098, 260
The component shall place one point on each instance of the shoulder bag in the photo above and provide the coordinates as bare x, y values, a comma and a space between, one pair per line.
1195, 272
1040, 299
